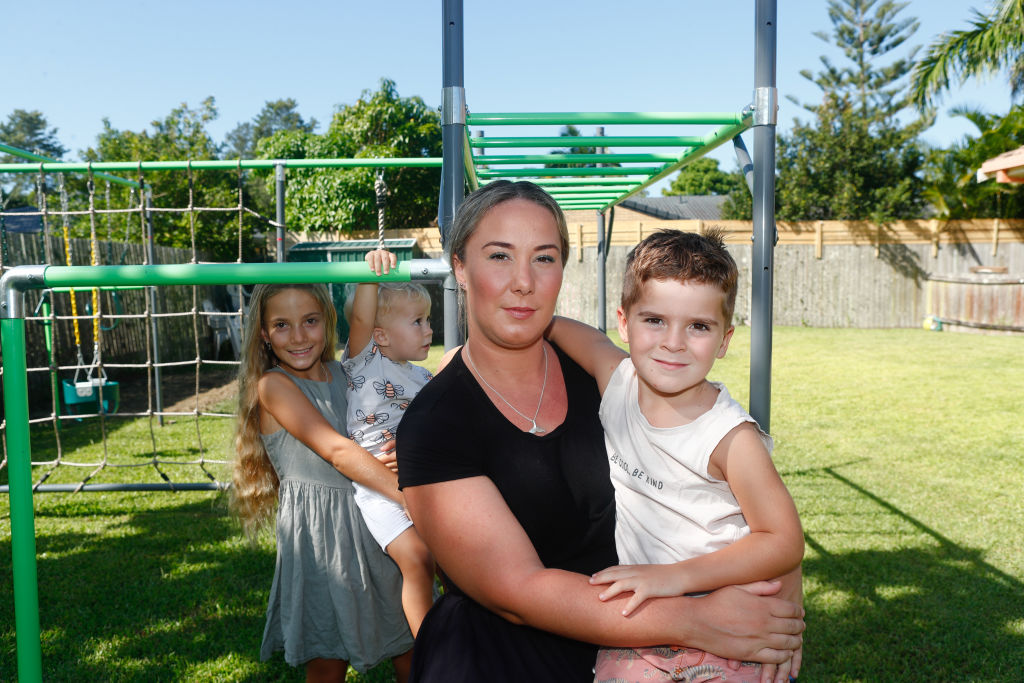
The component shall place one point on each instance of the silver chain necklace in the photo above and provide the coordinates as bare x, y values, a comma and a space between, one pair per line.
534, 429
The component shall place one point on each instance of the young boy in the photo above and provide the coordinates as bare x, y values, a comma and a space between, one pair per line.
699, 504
389, 326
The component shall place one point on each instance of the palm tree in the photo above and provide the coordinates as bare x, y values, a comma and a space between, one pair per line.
994, 41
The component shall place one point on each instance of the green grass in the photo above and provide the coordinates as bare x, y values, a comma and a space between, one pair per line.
904, 450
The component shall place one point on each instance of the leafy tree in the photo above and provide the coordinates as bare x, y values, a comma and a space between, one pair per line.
950, 174
855, 160
27, 130
865, 31
703, 177
842, 166
276, 115
995, 41
739, 204
381, 124
180, 136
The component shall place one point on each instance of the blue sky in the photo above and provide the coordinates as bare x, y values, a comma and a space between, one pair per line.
132, 62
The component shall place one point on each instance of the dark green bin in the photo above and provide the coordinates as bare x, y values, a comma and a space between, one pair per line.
347, 252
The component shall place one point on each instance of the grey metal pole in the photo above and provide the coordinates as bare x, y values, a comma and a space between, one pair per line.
766, 99
279, 205
743, 159
602, 247
453, 136
151, 256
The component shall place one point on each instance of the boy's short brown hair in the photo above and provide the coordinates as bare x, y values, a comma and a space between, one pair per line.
684, 257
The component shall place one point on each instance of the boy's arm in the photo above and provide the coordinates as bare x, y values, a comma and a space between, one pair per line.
364, 301
773, 548
589, 347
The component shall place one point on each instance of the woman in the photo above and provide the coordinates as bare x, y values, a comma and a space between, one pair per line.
502, 461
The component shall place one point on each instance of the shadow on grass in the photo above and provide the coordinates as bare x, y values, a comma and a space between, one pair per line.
933, 612
167, 594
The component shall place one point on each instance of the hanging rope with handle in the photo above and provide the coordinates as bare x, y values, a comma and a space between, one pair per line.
382, 199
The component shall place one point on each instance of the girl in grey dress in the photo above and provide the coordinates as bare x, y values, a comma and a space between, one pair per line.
336, 597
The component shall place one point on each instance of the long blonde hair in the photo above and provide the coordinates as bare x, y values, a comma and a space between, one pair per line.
254, 481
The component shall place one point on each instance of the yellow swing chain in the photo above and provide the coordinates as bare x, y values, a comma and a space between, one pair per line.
67, 261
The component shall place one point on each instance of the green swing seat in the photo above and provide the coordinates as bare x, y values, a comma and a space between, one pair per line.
84, 397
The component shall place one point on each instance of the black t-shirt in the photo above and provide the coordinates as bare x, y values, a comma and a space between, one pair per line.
558, 487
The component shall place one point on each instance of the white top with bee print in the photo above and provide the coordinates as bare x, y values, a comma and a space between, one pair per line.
379, 391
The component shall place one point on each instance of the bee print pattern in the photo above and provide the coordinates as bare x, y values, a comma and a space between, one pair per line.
357, 435
387, 435
401, 406
357, 383
372, 418
371, 354
387, 389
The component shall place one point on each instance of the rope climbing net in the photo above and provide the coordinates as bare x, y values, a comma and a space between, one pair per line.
131, 388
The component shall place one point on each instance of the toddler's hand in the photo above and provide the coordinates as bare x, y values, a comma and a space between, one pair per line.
644, 580
381, 261
388, 456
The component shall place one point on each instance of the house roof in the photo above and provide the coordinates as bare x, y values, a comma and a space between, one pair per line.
1008, 167
15, 220
678, 207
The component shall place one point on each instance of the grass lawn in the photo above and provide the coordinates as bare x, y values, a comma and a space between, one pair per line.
904, 450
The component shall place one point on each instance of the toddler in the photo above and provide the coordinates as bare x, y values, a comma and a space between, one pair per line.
389, 325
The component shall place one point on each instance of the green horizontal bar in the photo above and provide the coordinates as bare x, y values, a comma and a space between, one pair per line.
224, 165
218, 274
556, 191
565, 118
118, 288
584, 195
25, 154
575, 158
599, 141
603, 170
623, 182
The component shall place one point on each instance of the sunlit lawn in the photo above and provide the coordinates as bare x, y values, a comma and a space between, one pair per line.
903, 449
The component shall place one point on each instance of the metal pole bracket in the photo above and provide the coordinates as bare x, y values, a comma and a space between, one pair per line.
766, 106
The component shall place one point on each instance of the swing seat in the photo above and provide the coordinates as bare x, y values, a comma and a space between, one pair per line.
84, 397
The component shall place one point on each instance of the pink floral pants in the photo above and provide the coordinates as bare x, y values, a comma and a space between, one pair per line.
626, 665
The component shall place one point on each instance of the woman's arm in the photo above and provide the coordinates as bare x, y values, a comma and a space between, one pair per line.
590, 348
282, 404
774, 546
485, 551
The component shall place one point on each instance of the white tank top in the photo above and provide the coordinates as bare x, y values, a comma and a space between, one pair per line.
668, 508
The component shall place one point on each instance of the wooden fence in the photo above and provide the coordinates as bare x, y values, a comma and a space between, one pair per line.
123, 340
827, 273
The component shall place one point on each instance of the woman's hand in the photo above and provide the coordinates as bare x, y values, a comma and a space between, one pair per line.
747, 623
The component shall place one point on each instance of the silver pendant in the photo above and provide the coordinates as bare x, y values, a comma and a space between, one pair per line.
535, 429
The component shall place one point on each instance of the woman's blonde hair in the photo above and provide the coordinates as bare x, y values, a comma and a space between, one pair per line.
254, 481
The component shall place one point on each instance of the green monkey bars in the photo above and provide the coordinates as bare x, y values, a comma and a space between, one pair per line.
595, 173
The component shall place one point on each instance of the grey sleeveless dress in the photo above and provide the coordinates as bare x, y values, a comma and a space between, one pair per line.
335, 593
